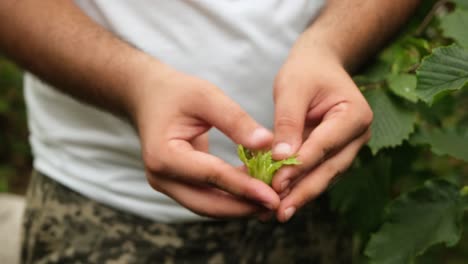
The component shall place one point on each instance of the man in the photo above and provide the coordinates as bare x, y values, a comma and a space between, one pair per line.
153, 77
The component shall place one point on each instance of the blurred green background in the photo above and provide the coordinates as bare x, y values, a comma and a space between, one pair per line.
15, 154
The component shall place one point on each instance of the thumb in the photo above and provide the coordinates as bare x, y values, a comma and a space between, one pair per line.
290, 113
226, 115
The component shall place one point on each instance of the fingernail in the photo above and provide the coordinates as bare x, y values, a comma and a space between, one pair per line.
283, 149
284, 185
288, 213
260, 134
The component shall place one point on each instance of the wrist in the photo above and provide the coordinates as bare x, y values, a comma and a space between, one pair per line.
313, 49
308, 61
146, 75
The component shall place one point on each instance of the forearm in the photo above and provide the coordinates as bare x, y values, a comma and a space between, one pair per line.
56, 41
354, 29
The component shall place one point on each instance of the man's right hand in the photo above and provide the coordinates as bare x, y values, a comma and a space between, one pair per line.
173, 113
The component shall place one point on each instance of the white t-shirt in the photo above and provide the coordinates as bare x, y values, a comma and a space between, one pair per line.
237, 45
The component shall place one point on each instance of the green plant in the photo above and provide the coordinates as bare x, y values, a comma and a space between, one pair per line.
261, 165
406, 191
15, 157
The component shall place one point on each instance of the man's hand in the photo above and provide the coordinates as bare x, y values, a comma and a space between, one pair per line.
173, 112
320, 114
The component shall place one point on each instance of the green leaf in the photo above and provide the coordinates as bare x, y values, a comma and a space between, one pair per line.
416, 221
3, 184
403, 85
241, 152
444, 143
446, 69
404, 53
461, 3
362, 193
375, 72
464, 191
392, 122
455, 26
10, 75
261, 165
5, 173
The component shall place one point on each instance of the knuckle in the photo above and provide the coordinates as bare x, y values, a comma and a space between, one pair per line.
367, 116
327, 151
367, 136
362, 117
287, 121
154, 182
214, 177
306, 195
153, 162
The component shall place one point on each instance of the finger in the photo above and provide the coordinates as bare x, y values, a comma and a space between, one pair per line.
285, 193
281, 185
290, 113
341, 125
183, 163
205, 201
314, 183
227, 116
200, 143
265, 216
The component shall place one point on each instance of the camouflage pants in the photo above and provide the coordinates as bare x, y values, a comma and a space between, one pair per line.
62, 226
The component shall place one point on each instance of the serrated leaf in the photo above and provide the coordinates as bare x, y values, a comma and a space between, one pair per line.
392, 122
446, 69
362, 193
403, 85
444, 143
416, 221
455, 26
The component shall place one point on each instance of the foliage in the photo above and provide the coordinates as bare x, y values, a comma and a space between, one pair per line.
408, 194
439, 208
394, 122
15, 157
261, 165
445, 70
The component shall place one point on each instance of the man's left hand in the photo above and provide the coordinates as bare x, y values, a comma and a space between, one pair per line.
320, 116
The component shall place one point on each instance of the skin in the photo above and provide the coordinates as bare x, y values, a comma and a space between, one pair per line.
171, 110
319, 112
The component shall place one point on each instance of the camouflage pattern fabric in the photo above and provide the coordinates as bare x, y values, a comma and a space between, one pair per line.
62, 226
